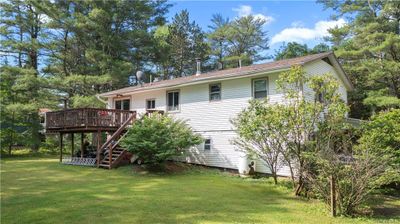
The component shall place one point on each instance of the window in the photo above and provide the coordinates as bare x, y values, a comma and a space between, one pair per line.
173, 100
215, 92
207, 144
150, 104
260, 88
122, 104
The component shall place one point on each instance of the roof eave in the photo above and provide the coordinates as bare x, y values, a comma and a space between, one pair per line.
347, 81
195, 82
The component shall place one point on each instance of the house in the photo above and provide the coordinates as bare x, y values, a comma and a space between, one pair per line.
209, 101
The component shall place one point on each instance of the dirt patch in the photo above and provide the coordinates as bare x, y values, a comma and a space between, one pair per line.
388, 206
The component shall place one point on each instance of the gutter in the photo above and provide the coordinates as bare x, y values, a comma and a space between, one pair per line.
99, 98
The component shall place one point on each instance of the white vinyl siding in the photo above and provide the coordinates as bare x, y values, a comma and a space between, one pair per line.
211, 119
320, 67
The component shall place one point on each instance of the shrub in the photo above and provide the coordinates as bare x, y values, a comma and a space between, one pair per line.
382, 135
155, 139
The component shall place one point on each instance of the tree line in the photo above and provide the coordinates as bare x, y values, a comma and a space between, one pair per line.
61, 53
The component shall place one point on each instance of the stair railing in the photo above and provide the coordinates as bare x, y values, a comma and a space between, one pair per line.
109, 143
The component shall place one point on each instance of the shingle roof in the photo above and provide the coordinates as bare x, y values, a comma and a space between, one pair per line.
233, 72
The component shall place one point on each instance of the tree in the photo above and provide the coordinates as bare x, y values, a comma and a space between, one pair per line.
187, 42
247, 39
218, 38
294, 49
341, 171
382, 135
162, 51
368, 47
259, 133
22, 40
100, 45
69, 50
291, 50
154, 139
289, 129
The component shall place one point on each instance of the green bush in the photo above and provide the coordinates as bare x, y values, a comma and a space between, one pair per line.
382, 134
158, 138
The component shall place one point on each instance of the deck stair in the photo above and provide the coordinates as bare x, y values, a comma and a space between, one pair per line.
111, 153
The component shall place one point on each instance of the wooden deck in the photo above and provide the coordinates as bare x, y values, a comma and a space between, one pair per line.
86, 120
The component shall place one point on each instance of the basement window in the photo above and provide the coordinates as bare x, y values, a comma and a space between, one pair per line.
207, 144
215, 92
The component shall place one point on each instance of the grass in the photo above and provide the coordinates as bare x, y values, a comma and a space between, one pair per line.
40, 190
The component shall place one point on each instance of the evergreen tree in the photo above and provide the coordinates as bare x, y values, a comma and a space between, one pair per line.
294, 49
187, 42
247, 40
69, 50
218, 39
22, 40
101, 45
291, 50
369, 49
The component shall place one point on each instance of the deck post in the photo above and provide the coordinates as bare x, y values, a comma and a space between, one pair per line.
72, 145
98, 147
61, 146
82, 143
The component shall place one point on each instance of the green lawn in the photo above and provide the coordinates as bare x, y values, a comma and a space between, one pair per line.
40, 190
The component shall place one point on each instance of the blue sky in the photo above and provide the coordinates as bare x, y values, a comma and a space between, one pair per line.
301, 21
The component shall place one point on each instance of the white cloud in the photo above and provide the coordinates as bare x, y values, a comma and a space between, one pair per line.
300, 34
246, 10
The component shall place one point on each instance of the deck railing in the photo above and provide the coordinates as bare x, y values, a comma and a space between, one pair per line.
86, 118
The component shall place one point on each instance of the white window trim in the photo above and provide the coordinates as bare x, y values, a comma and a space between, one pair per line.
179, 103
220, 92
204, 144
253, 86
151, 99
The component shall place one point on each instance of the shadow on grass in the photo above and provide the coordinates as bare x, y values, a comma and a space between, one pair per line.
49, 192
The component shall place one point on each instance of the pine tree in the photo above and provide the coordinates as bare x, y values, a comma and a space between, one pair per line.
218, 38
369, 49
187, 42
294, 49
247, 40
101, 46
22, 40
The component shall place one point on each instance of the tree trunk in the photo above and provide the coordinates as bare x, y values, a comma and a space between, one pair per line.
333, 196
275, 178
300, 185
291, 173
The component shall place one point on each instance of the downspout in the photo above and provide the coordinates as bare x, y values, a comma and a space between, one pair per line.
101, 100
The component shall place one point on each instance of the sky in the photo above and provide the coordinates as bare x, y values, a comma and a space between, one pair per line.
305, 22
